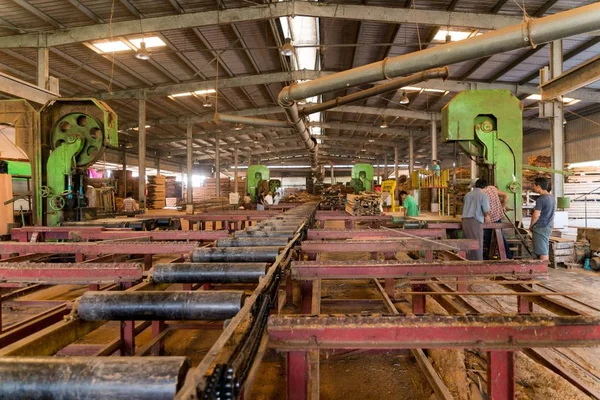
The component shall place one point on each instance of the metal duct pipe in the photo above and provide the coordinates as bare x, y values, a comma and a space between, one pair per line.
159, 306
379, 89
126, 378
332, 173
238, 119
208, 272
528, 34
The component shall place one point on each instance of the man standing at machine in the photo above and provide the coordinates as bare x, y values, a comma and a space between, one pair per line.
476, 212
542, 218
410, 204
129, 204
498, 201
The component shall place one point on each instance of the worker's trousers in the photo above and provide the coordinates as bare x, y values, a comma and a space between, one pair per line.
473, 229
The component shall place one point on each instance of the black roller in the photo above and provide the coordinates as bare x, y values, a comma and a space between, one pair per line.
209, 272
271, 228
151, 306
130, 378
252, 242
236, 254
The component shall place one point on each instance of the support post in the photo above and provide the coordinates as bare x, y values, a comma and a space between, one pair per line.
217, 165
142, 153
558, 139
378, 161
411, 153
158, 163
124, 174
43, 67
190, 189
235, 170
396, 201
298, 372
385, 168
434, 156
501, 375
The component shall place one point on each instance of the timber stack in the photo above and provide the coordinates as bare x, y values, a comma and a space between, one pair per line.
156, 192
366, 204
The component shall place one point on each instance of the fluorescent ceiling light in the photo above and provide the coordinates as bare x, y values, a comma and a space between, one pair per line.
440, 36
568, 101
137, 128
205, 91
152, 41
418, 89
111, 47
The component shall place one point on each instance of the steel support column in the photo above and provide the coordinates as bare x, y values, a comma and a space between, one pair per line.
558, 138
217, 165
385, 167
43, 67
124, 173
190, 190
235, 170
434, 156
396, 201
411, 153
142, 153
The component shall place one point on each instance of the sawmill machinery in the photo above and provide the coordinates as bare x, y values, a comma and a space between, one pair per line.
74, 135
257, 180
488, 126
362, 178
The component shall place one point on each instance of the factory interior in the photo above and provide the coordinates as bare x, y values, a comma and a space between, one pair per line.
300, 199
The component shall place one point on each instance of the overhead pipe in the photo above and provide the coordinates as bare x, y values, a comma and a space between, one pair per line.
238, 119
527, 34
435, 73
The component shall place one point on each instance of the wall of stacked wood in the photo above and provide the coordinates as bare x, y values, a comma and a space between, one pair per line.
156, 188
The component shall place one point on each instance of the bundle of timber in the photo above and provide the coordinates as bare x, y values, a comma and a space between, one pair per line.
156, 192
334, 196
241, 187
364, 204
126, 183
173, 188
529, 175
562, 251
583, 188
208, 190
300, 197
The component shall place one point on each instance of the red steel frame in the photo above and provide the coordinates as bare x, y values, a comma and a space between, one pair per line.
349, 220
500, 335
99, 233
71, 273
318, 234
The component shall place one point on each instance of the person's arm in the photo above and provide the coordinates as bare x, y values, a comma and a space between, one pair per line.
136, 206
486, 210
503, 198
534, 217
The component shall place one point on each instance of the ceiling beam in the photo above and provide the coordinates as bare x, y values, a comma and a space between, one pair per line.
25, 90
259, 12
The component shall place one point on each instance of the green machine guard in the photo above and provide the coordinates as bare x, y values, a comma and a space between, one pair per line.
75, 133
256, 174
488, 126
362, 173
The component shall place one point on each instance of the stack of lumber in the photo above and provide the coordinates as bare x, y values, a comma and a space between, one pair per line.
562, 252
208, 190
132, 184
334, 196
241, 187
583, 188
299, 197
156, 198
592, 235
364, 204
530, 175
172, 187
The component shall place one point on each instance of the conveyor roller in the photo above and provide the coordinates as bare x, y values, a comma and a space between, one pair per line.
128, 378
252, 242
150, 306
209, 272
236, 254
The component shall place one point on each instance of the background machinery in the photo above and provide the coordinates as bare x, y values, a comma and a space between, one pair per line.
488, 126
257, 180
362, 178
74, 135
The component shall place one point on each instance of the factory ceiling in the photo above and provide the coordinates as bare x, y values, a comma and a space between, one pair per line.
225, 55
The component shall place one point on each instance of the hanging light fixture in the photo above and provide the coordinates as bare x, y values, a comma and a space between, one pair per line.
448, 37
142, 53
207, 103
384, 124
256, 139
287, 49
404, 98
238, 127
169, 155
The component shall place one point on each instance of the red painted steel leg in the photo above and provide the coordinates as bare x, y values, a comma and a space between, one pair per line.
374, 255
500, 244
307, 293
389, 287
207, 286
147, 262
157, 328
188, 286
79, 257
418, 300
94, 288
127, 338
461, 286
429, 255
524, 304
298, 372
501, 375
